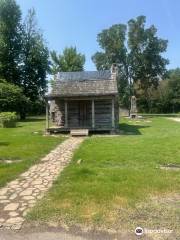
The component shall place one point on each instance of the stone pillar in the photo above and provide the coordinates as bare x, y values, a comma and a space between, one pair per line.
133, 111
113, 115
93, 115
47, 114
66, 113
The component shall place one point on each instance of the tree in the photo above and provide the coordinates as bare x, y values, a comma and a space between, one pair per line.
146, 64
137, 52
35, 60
11, 97
69, 61
112, 41
23, 52
160, 100
174, 89
166, 98
10, 41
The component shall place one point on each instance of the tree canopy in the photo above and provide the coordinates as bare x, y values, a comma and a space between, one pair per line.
112, 41
23, 52
137, 51
69, 61
146, 63
35, 59
10, 41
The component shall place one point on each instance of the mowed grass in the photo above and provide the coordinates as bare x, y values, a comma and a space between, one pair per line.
24, 145
117, 179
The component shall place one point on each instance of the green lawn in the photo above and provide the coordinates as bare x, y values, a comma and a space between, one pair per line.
119, 183
25, 143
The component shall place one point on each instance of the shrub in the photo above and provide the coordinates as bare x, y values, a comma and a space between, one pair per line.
8, 119
12, 98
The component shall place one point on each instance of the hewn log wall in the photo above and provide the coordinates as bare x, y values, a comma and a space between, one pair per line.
73, 114
102, 112
59, 112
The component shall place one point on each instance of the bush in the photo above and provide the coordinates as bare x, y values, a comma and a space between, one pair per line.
8, 119
12, 98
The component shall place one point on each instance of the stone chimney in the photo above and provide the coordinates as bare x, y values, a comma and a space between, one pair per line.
114, 71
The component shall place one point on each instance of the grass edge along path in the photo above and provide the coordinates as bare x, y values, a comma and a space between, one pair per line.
23, 146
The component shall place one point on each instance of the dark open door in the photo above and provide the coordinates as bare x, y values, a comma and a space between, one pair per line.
82, 113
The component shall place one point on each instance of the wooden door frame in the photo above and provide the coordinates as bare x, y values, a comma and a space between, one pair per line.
83, 105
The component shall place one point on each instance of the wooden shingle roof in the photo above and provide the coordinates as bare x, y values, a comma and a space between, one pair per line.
87, 83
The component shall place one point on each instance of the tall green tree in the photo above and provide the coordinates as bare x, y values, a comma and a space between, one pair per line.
23, 52
146, 63
112, 41
10, 41
69, 61
138, 53
35, 61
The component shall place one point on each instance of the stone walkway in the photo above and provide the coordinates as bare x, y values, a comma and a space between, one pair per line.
21, 195
176, 119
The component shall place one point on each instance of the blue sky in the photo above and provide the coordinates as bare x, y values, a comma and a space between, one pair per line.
77, 22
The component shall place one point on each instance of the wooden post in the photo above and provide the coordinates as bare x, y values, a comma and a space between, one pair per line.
66, 113
93, 115
113, 123
47, 114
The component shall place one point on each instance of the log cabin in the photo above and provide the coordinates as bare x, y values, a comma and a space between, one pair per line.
83, 100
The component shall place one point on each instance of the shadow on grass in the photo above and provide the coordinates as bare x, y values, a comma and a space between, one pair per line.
4, 144
126, 129
151, 115
40, 119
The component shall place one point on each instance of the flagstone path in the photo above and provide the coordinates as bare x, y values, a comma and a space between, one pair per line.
20, 195
176, 119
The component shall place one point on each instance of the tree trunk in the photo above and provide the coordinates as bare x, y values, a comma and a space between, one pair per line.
22, 115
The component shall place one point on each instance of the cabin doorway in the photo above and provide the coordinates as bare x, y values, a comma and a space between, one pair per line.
84, 113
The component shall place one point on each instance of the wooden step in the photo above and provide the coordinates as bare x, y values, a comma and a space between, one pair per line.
79, 132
